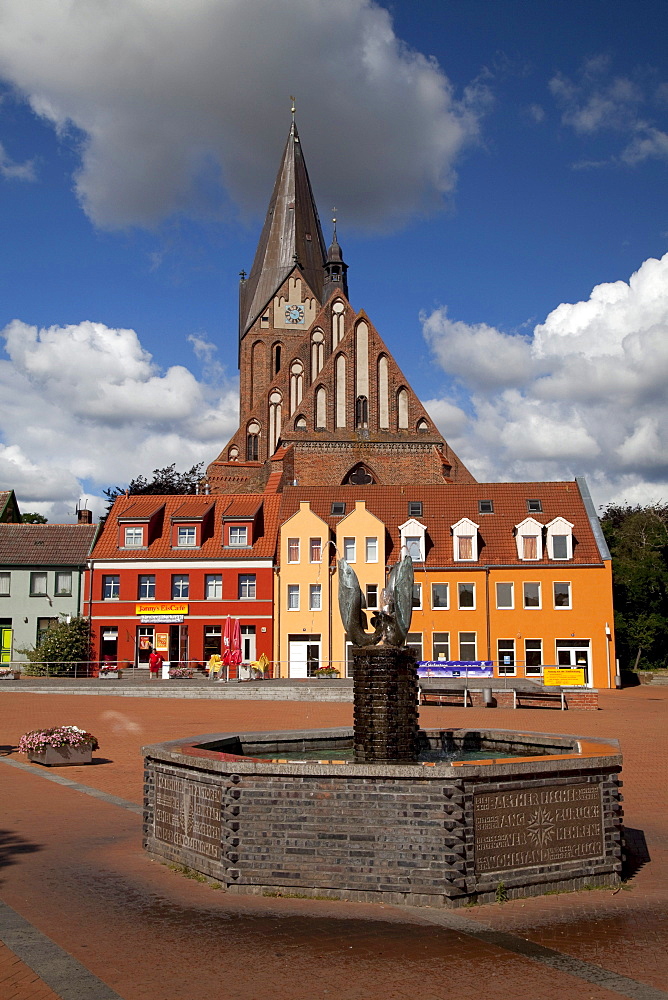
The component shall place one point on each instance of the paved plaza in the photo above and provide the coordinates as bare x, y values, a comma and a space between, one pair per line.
85, 915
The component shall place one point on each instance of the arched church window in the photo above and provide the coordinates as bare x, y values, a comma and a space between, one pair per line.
340, 368
300, 423
276, 359
275, 417
383, 394
422, 425
402, 409
253, 441
361, 412
233, 454
337, 323
320, 408
317, 353
296, 384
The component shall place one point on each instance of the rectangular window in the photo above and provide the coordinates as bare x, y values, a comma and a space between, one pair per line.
213, 586
506, 656
504, 596
485, 507
532, 595
43, 626
560, 546
134, 538
534, 506
349, 549
315, 597
533, 656
180, 586
293, 597
466, 595
5, 584
338, 508
38, 584
315, 546
415, 508
186, 537
529, 546
64, 584
372, 596
414, 547
562, 595
111, 587
417, 595
467, 646
440, 645
146, 587
238, 535
465, 547
439, 595
293, 550
372, 550
246, 588
414, 641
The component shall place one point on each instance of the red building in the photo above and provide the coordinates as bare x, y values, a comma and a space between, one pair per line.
167, 572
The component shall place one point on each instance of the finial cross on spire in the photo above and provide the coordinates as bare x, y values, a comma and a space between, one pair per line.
293, 108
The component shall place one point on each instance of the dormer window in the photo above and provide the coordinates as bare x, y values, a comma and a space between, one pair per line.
412, 535
186, 537
238, 536
529, 538
560, 539
415, 508
534, 506
134, 537
465, 540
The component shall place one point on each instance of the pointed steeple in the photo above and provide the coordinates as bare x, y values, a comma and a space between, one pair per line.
291, 237
336, 279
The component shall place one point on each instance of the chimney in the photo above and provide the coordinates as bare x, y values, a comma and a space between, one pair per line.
84, 516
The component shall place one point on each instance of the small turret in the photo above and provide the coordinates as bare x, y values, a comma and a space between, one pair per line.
336, 269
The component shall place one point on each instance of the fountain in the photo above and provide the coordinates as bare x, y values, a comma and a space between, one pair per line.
386, 811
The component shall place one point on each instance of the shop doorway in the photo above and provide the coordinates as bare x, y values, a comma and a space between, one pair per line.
248, 643
574, 653
145, 638
109, 644
303, 655
178, 644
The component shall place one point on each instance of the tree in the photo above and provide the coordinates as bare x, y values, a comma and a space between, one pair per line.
64, 646
638, 541
29, 518
165, 481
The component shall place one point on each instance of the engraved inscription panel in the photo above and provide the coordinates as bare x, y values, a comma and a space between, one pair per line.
537, 826
188, 814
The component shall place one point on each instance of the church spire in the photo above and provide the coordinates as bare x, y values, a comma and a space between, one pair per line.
336, 279
291, 237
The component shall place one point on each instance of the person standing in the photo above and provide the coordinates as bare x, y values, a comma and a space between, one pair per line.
155, 662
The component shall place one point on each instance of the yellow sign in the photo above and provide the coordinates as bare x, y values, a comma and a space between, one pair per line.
564, 676
161, 642
161, 609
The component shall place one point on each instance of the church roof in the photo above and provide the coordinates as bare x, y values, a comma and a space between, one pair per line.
291, 235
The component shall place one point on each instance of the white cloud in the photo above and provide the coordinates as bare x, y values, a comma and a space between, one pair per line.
177, 103
13, 171
586, 396
86, 404
596, 102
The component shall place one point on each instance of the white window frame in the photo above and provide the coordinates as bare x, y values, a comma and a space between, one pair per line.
559, 527
145, 579
213, 582
115, 586
412, 539
133, 537
529, 528
375, 605
186, 536
371, 549
506, 669
460, 607
246, 583
292, 599
465, 528
562, 607
532, 607
350, 549
184, 584
440, 643
534, 670
505, 607
315, 597
417, 597
468, 659
294, 550
441, 607
315, 544
238, 540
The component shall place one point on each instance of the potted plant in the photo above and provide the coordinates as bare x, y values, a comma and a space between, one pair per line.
58, 746
110, 671
325, 672
9, 674
181, 673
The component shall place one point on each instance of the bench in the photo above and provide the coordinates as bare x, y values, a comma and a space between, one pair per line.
444, 692
551, 697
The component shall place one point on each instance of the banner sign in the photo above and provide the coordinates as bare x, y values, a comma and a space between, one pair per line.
153, 608
161, 642
455, 668
161, 619
564, 676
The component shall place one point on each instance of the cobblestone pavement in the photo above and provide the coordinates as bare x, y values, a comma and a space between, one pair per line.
71, 866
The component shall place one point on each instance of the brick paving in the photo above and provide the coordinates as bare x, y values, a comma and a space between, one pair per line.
73, 867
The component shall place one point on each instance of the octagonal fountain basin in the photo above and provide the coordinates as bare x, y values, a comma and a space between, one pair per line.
481, 814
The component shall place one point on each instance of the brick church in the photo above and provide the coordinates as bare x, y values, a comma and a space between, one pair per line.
322, 400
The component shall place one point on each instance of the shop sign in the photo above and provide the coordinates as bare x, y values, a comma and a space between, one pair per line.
161, 642
161, 619
153, 608
564, 676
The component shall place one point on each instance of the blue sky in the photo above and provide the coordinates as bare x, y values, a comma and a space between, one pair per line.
499, 172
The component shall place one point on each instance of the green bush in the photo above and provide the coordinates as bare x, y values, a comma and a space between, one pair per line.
64, 647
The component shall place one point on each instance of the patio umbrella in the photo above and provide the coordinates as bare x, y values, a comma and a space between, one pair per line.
227, 641
235, 648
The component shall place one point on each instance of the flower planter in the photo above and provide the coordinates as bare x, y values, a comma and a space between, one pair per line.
13, 675
114, 675
61, 756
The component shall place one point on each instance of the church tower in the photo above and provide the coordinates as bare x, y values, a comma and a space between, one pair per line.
322, 401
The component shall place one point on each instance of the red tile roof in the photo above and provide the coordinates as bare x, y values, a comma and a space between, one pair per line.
243, 507
195, 507
160, 547
142, 508
45, 544
445, 505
